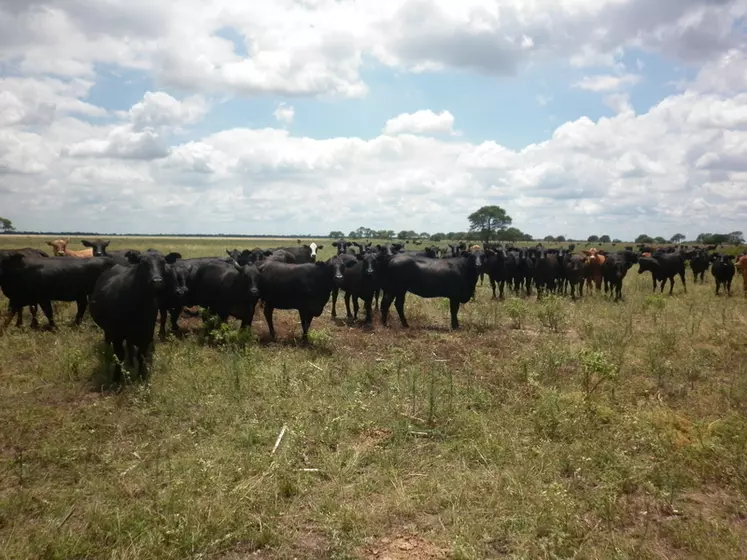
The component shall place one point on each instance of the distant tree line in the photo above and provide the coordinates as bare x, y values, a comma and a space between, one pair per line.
489, 223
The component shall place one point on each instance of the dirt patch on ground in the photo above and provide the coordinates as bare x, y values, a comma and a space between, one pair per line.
402, 547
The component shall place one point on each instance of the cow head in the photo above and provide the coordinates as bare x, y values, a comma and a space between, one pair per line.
250, 276
58, 247
368, 261
151, 265
98, 246
341, 245
647, 264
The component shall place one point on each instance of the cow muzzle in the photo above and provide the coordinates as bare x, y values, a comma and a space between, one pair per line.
254, 292
156, 281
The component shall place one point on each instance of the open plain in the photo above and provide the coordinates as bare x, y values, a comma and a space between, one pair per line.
551, 429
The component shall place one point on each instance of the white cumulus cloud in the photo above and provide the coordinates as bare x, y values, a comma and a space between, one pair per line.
421, 122
284, 113
607, 82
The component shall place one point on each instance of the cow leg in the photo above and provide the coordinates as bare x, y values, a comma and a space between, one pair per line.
248, 319
492, 286
482, 278
684, 282
369, 312
718, 285
162, 316
399, 305
347, 305
573, 292
268, 319
12, 311
356, 307
671, 285
454, 306
335, 291
728, 287
34, 309
501, 288
19, 321
119, 352
82, 304
48, 313
175, 313
386, 301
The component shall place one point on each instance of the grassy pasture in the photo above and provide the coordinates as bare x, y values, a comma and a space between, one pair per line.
539, 430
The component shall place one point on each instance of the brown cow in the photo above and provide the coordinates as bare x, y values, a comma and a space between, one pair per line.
59, 249
593, 268
742, 267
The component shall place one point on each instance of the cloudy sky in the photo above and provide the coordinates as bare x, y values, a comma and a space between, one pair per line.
577, 116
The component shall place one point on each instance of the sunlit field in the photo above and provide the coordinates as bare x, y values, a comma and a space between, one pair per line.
552, 429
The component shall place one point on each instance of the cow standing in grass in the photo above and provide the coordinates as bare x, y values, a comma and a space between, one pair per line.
124, 303
453, 278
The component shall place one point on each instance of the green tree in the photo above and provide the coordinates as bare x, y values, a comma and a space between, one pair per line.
736, 238
353, 235
402, 234
425, 235
549, 239
605, 239
659, 240
560, 239
616, 240
438, 237
513, 234
643, 238
593, 239
677, 238
336, 234
488, 220
6, 225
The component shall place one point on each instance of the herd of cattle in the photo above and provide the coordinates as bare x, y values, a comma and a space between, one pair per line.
127, 289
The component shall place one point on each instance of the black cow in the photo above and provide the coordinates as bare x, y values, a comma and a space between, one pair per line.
42, 280
723, 271
124, 303
454, 278
700, 261
663, 267
99, 249
615, 268
524, 271
500, 267
226, 289
26, 252
546, 271
305, 287
573, 267
342, 246
359, 282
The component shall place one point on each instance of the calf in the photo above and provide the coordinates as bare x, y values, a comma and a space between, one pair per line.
31, 280
453, 278
59, 249
723, 271
359, 281
124, 303
305, 287
524, 270
663, 267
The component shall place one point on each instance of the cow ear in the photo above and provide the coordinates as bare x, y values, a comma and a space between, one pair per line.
360, 256
267, 253
105, 243
86, 243
50, 243
319, 247
171, 258
133, 257
236, 265
228, 252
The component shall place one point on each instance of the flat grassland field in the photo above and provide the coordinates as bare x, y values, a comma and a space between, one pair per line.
551, 429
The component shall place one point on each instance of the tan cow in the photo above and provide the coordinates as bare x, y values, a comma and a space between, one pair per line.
593, 268
742, 267
59, 249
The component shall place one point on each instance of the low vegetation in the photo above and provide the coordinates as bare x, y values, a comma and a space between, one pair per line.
546, 429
